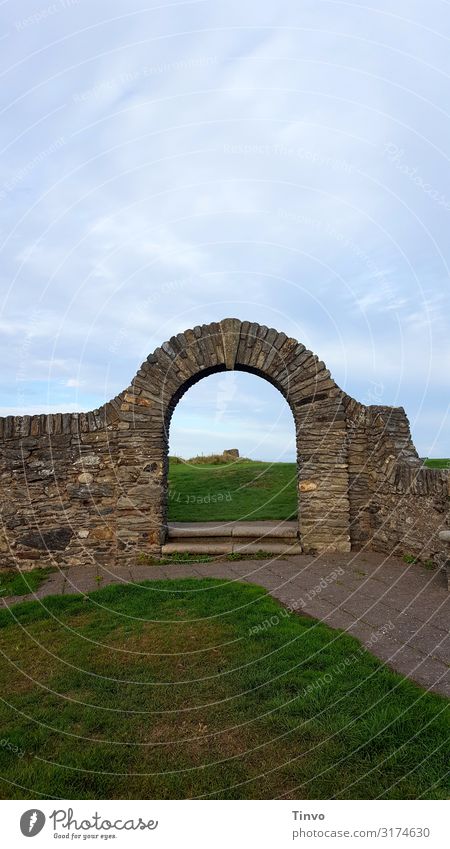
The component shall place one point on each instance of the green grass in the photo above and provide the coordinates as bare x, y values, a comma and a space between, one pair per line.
243, 490
214, 489
13, 582
437, 464
187, 557
205, 688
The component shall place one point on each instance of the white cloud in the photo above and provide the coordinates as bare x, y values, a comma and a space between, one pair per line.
225, 159
73, 383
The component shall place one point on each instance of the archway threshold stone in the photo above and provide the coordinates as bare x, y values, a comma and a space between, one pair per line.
233, 529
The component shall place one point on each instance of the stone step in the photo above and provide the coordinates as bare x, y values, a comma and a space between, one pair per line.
222, 540
252, 530
214, 547
216, 538
206, 547
284, 541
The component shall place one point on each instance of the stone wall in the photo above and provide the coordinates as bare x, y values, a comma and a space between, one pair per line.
398, 505
92, 487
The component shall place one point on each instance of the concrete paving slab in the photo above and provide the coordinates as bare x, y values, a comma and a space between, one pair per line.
147, 573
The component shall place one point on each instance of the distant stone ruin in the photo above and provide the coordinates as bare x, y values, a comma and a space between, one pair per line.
231, 453
92, 487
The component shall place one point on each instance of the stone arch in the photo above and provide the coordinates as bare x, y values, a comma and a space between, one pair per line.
92, 487
315, 401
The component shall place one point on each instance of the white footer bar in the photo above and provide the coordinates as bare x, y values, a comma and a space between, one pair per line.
213, 824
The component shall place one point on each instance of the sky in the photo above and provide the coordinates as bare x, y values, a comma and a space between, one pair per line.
169, 164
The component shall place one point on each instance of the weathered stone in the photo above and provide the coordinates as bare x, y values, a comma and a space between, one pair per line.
230, 328
4, 542
307, 486
88, 460
360, 479
82, 491
102, 532
85, 478
135, 399
55, 540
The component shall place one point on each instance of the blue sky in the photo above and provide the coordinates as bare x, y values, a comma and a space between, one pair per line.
171, 165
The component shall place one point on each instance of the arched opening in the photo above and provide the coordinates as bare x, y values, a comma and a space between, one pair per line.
232, 452
232, 470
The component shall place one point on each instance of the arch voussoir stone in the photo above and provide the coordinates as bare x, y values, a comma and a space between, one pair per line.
92, 487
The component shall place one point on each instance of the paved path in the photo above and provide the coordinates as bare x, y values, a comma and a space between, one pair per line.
400, 612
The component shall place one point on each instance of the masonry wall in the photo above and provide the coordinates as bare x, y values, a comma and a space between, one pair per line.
409, 503
91, 488
397, 504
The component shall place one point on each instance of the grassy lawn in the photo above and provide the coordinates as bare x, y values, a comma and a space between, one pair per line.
172, 689
15, 583
438, 464
244, 490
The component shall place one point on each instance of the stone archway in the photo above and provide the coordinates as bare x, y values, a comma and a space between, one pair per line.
305, 383
92, 487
